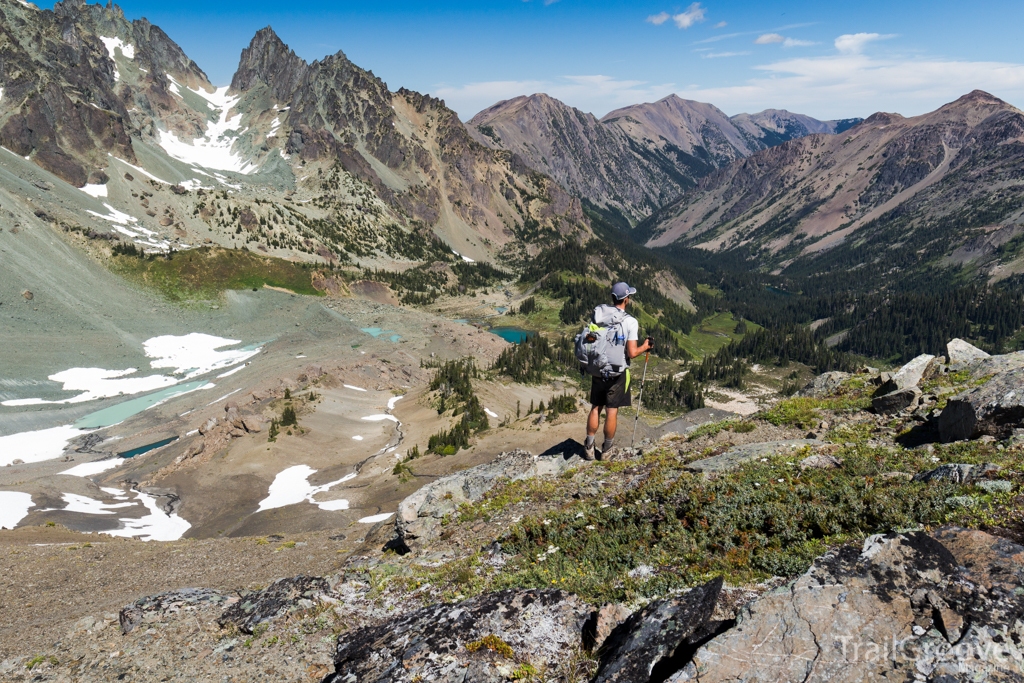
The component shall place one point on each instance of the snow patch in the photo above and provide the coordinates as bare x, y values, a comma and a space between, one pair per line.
140, 170
349, 386
37, 446
357, 438
195, 354
94, 190
490, 412
90, 506
393, 400
373, 519
464, 258
380, 418
230, 372
292, 486
88, 469
96, 383
127, 49
114, 216
156, 526
14, 507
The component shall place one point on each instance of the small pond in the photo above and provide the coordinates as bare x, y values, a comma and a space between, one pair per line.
147, 448
515, 335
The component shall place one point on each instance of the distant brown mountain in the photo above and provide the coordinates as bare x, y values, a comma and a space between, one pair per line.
937, 182
635, 159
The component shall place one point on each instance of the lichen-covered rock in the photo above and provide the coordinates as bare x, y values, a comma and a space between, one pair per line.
958, 473
277, 599
825, 384
419, 516
655, 638
154, 607
960, 354
942, 607
482, 639
995, 408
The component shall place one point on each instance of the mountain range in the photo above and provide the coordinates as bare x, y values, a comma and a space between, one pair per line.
889, 194
635, 159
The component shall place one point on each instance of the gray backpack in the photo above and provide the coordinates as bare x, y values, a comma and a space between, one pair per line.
601, 346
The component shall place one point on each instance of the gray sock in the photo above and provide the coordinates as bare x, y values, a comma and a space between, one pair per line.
590, 441
607, 445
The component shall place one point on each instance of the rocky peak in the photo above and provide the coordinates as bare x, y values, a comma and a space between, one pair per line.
269, 61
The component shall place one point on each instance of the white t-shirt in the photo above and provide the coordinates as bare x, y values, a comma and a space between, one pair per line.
632, 328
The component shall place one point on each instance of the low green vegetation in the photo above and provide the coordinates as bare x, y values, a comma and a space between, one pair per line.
203, 274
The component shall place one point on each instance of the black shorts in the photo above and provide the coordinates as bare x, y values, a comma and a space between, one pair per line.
612, 392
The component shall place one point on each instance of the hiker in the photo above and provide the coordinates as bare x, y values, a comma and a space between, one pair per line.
605, 349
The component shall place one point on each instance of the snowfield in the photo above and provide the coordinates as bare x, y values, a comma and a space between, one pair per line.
292, 486
214, 149
14, 507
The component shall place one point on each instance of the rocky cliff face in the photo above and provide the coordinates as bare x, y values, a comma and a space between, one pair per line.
635, 159
936, 181
81, 85
79, 82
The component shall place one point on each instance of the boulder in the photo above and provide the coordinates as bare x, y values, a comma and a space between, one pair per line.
28, 295
995, 408
902, 399
277, 599
910, 375
820, 461
483, 639
942, 607
651, 642
825, 384
958, 473
737, 455
252, 424
960, 354
419, 516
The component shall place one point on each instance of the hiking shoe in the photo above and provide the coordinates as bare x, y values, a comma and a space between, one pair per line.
588, 452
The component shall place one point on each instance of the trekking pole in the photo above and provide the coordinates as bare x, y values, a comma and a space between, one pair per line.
640, 400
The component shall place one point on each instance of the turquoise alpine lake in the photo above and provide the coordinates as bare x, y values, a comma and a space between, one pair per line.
515, 335
122, 411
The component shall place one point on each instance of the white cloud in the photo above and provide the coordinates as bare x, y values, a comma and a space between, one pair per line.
658, 19
768, 38
793, 42
844, 85
693, 14
717, 55
597, 94
853, 43
721, 24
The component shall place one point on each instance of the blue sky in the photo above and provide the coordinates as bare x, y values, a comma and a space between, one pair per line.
829, 60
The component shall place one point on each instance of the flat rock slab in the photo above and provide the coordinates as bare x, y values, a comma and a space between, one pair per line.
942, 607
420, 515
157, 607
483, 639
737, 455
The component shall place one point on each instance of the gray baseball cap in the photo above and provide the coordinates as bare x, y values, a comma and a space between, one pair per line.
620, 290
